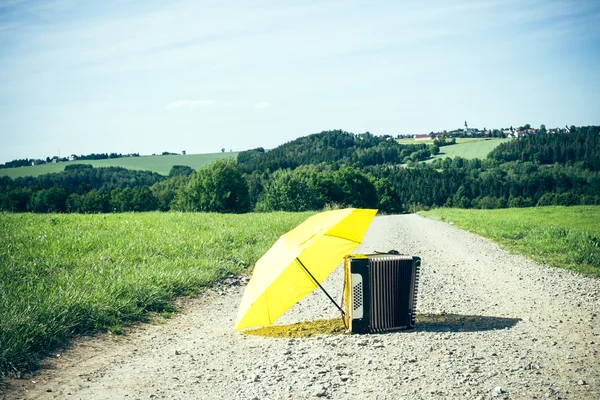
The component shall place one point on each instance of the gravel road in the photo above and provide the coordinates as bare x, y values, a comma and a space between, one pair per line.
505, 327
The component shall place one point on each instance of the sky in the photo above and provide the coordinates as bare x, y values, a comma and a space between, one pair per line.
151, 76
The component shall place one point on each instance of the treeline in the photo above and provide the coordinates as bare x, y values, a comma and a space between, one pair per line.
307, 175
581, 146
25, 162
487, 184
81, 188
335, 147
456, 183
105, 156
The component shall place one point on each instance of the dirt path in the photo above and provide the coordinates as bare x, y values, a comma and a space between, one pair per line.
505, 327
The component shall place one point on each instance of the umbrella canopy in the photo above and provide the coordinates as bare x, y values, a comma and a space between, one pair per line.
279, 281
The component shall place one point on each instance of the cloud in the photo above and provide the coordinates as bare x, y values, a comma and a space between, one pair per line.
189, 104
262, 105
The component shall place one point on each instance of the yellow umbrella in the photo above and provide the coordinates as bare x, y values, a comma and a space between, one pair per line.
298, 261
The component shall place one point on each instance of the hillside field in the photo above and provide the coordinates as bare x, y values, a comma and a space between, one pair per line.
469, 149
69, 274
159, 164
566, 237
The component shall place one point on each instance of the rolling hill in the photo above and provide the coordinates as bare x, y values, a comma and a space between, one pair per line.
159, 164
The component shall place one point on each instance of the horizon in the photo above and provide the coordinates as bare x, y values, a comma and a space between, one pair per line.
150, 77
178, 153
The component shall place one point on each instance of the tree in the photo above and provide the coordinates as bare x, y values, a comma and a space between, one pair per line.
78, 167
180, 170
217, 187
460, 198
74, 203
297, 190
143, 199
389, 201
165, 191
94, 202
121, 200
355, 188
542, 128
16, 199
49, 200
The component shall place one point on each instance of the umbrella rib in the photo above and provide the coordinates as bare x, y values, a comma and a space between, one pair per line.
343, 238
319, 285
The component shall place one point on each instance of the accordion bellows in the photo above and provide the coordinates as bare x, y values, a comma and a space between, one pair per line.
380, 292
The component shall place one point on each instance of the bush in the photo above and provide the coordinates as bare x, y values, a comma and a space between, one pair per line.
547, 199
568, 199
78, 167
519, 201
490, 203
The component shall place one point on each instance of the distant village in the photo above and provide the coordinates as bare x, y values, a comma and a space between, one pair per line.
511, 133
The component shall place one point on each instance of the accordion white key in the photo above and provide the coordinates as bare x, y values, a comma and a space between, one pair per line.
380, 292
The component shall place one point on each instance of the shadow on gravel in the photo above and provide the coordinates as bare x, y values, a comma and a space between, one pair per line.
333, 326
461, 323
425, 323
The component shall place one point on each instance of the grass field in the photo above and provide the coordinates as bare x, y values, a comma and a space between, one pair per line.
160, 164
565, 237
470, 149
64, 275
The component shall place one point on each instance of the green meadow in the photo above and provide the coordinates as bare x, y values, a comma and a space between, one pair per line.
159, 164
469, 149
564, 237
64, 275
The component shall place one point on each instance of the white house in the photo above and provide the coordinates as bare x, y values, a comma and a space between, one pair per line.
422, 137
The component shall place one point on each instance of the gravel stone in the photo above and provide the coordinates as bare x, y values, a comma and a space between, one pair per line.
497, 391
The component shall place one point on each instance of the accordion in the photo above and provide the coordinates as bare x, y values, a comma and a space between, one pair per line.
380, 292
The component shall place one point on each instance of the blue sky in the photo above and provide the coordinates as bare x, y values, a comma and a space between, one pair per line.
152, 76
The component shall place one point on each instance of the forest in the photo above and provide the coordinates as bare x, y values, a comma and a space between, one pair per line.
333, 169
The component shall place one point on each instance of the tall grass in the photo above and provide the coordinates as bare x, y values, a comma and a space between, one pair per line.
67, 275
565, 237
